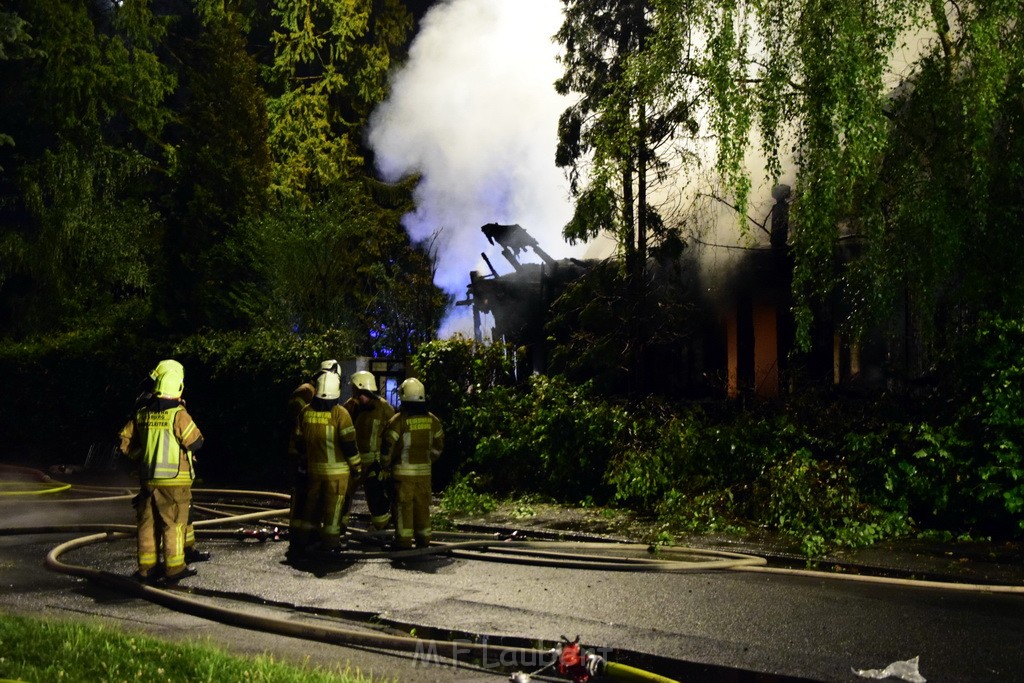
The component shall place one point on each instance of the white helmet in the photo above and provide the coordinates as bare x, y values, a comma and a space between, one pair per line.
330, 366
364, 381
328, 385
412, 391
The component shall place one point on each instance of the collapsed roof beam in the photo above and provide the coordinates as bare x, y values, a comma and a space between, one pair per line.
513, 239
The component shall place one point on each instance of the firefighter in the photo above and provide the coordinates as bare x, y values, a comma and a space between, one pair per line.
299, 528
370, 415
192, 554
325, 437
413, 442
163, 436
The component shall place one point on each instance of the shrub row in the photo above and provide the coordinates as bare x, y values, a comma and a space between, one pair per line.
69, 392
824, 469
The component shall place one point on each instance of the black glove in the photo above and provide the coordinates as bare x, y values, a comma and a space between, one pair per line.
138, 500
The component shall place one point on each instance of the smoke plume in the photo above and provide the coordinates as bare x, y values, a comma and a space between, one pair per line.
474, 111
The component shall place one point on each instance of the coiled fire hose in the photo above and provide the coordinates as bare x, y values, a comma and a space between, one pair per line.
569, 660
543, 553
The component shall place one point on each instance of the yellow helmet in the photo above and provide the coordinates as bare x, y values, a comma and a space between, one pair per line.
412, 391
170, 383
364, 381
167, 365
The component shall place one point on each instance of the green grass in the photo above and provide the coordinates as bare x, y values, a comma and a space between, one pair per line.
41, 650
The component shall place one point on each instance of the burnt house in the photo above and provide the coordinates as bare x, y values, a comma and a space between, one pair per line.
742, 337
520, 300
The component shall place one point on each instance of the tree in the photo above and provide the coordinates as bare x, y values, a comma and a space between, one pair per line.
153, 142
618, 139
330, 66
15, 42
222, 171
75, 225
941, 227
344, 264
917, 165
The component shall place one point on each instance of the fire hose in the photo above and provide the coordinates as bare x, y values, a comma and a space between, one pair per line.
568, 660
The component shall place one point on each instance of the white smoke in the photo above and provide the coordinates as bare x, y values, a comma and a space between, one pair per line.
474, 111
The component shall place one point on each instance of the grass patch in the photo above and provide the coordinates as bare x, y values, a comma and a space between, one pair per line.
42, 650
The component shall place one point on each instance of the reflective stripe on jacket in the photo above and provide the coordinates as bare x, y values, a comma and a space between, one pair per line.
370, 424
322, 436
416, 442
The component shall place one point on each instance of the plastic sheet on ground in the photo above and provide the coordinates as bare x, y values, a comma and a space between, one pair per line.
905, 670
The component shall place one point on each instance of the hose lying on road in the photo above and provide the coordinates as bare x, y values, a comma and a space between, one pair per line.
483, 653
486, 547
325, 634
486, 653
493, 550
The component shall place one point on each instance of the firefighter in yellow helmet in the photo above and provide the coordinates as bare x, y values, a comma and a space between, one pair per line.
413, 442
163, 436
370, 415
325, 437
192, 553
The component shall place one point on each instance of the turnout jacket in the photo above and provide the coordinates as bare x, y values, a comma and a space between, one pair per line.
414, 441
327, 440
163, 437
370, 422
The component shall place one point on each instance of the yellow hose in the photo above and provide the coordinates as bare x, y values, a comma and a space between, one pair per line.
338, 636
40, 480
54, 487
624, 672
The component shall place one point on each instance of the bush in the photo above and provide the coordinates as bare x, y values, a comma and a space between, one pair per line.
689, 452
827, 470
65, 392
462, 498
711, 512
236, 386
992, 418
457, 372
818, 503
554, 438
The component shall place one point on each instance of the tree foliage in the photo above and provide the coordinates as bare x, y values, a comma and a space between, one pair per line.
330, 65
345, 264
145, 146
617, 140
620, 142
221, 174
901, 126
900, 121
84, 109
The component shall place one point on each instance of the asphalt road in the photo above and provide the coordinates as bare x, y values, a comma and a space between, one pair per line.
708, 625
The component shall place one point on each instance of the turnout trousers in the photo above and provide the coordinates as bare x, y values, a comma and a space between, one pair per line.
378, 499
325, 498
412, 511
300, 527
162, 515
